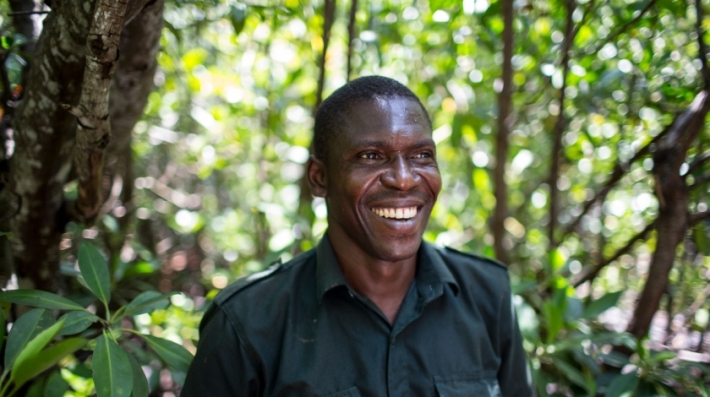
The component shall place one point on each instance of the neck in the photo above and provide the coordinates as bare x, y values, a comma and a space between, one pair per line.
384, 283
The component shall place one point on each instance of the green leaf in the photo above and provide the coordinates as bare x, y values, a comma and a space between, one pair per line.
571, 373
37, 298
94, 269
553, 318
44, 360
76, 322
113, 375
146, 302
237, 16
173, 354
140, 383
36, 345
55, 386
599, 306
622, 386
23, 330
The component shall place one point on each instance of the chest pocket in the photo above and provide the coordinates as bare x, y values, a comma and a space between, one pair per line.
351, 392
481, 384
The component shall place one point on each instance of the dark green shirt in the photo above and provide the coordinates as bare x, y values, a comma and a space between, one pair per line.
298, 329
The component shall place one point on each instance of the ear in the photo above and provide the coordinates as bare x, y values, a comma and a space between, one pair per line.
315, 171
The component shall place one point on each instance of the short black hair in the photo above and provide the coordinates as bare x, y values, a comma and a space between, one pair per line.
331, 112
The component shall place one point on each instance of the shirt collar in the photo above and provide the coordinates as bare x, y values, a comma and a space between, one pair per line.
432, 272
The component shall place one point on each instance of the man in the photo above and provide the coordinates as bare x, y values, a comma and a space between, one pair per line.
373, 310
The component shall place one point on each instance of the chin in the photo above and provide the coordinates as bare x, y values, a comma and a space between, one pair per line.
398, 251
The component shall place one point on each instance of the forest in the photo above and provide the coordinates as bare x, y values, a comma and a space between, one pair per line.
153, 151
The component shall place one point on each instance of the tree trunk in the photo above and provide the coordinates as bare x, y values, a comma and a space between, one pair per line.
45, 141
502, 144
673, 218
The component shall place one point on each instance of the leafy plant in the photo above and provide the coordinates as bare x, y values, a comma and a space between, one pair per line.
37, 342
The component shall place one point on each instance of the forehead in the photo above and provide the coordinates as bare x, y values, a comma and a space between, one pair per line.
384, 116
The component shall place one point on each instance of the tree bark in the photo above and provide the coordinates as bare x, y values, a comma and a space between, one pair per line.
45, 138
131, 85
502, 144
673, 218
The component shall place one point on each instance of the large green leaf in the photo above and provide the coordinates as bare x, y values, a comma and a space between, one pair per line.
146, 302
94, 269
36, 345
23, 330
37, 298
174, 355
571, 373
599, 306
140, 383
622, 386
76, 322
113, 375
55, 386
44, 360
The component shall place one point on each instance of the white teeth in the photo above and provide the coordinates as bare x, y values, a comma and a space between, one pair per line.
397, 213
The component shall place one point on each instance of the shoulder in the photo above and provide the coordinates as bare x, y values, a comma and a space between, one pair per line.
461, 258
277, 277
475, 272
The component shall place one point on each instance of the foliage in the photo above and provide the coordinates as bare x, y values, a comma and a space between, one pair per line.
220, 153
37, 342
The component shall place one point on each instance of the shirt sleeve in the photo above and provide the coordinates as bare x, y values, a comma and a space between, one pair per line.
222, 366
513, 375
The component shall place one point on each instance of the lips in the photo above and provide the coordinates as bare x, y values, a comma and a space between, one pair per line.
395, 213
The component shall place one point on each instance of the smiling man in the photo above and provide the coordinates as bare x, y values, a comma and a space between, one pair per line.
373, 310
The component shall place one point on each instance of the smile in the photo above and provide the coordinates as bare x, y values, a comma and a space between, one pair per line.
396, 213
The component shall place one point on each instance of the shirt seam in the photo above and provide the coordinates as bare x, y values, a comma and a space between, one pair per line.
244, 341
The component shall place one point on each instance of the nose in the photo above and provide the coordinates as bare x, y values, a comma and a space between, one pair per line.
400, 174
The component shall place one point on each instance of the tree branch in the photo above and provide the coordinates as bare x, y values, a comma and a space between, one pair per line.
594, 272
623, 27
700, 216
328, 19
620, 169
504, 123
93, 137
698, 161
560, 126
351, 37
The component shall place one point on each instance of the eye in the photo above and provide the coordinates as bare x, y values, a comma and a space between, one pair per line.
369, 156
423, 155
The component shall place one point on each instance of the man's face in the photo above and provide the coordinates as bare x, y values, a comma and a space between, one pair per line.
382, 179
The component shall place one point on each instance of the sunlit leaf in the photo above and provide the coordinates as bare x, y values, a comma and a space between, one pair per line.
25, 329
45, 359
34, 346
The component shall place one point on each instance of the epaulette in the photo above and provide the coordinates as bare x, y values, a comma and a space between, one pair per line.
247, 281
479, 257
